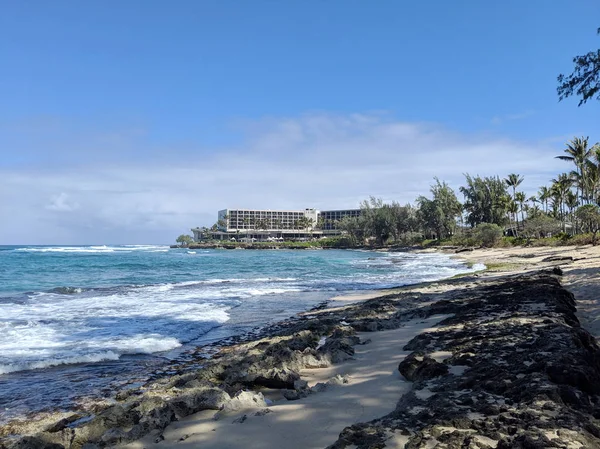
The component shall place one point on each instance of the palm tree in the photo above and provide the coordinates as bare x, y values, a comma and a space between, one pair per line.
577, 151
513, 180
512, 210
544, 195
520, 198
571, 202
560, 188
592, 170
534, 212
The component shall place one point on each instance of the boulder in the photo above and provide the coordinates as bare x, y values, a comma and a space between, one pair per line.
421, 367
243, 400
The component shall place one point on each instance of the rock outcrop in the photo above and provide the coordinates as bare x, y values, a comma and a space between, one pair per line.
511, 368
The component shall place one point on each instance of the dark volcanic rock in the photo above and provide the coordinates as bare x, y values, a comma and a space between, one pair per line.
558, 259
421, 367
519, 373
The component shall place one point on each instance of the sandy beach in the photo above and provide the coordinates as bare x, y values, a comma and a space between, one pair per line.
309, 396
373, 387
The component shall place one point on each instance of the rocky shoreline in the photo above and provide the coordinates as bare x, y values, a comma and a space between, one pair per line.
508, 367
511, 368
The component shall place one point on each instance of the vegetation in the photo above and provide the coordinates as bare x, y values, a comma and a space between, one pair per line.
486, 200
437, 216
494, 212
585, 79
184, 240
589, 215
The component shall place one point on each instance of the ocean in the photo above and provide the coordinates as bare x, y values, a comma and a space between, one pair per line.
79, 322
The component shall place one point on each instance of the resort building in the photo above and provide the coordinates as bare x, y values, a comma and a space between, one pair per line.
233, 220
261, 225
329, 218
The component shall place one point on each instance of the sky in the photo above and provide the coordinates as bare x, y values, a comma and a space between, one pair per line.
131, 122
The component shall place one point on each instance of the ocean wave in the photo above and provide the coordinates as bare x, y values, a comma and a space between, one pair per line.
67, 290
207, 289
94, 249
156, 303
40, 364
67, 250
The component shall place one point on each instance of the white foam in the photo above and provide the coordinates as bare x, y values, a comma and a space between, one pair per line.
101, 357
63, 329
52, 328
95, 249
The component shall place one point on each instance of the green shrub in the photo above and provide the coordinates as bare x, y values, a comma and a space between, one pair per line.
464, 238
487, 234
582, 239
562, 236
548, 241
410, 238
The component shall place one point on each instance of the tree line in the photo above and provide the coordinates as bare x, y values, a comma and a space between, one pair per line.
491, 206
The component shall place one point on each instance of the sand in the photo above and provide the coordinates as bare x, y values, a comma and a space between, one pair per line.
373, 389
374, 385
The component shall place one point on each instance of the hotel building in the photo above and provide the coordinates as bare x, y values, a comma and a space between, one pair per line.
275, 224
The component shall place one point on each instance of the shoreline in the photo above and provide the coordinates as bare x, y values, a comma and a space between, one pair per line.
189, 356
508, 262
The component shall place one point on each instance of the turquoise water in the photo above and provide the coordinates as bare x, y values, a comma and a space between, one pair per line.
77, 321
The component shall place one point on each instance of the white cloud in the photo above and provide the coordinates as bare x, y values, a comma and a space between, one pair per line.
61, 203
317, 160
499, 119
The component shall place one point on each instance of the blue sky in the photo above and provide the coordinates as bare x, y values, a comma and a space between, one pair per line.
128, 122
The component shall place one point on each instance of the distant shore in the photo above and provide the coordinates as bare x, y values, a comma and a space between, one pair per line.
318, 373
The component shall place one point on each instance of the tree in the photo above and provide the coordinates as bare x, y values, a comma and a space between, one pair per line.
223, 223
513, 180
438, 215
403, 220
544, 195
539, 226
431, 217
520, 199
352, 226
486, 200
589, 215
513, 211
376, 219
585, 79
305, 223
185, 240
261, 224
560, 189
577, 151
